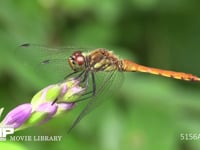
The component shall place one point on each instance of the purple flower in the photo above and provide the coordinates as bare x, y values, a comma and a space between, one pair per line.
47, 111
65, 106
17, 116
46, 104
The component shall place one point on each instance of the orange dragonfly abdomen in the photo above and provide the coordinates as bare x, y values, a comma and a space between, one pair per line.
131, 66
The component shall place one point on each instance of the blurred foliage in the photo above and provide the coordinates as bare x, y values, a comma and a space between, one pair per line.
147, 112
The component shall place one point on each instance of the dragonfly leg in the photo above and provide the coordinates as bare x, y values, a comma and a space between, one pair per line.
54, 101
80, 74
67, 76
84, 98
86, 76
85, 79
79, 100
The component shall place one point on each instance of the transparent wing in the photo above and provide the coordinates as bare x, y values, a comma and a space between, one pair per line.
46, 60
107, 83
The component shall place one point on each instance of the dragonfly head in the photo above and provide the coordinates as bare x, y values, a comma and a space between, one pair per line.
77, 61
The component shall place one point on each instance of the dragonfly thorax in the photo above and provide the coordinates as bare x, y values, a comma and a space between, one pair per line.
103, 60
77, 61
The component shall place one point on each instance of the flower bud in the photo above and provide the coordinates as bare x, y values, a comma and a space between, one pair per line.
17, 116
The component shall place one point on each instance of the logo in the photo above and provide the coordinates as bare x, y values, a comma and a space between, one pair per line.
4, 131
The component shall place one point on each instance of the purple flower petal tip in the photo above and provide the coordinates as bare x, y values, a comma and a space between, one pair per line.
47, 108
65, 106
17, 116
77, 90
64, 89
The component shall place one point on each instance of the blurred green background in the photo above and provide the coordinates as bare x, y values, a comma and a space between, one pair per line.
147, 112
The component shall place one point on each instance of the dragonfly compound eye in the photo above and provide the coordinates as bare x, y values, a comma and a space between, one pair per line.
79, 58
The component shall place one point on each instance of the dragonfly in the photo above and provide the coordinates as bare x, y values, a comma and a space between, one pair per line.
86, 65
